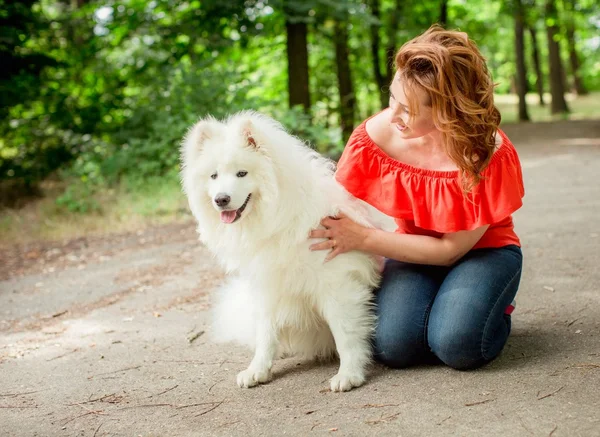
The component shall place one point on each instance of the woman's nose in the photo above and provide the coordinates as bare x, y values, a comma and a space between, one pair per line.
396, 115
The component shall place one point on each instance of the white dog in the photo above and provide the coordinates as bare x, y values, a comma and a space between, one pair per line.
256, 193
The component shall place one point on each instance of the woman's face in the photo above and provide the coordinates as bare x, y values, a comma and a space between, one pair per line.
410, 125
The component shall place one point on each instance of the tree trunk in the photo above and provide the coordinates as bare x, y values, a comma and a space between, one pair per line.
297, 54
539, 81
390, 51
573, 55
380, 79
557, 89
521, 79
444, 13
346, 90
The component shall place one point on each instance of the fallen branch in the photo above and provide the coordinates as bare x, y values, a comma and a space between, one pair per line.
146, 406
439, 423
553, 429
485, 401
177, 407
66, 353
84, 414
229, 423
101, 399
382, 419
211, 387
18, 394
163, 392
210, 409
14, 406
201, 403
549, 394
193, 337
115, 371
379, 405
53, 316
586, 366
523, 424
96, 432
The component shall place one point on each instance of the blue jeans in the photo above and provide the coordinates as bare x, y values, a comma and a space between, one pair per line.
455, 313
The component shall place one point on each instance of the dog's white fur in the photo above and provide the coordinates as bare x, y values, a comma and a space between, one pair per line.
282, 298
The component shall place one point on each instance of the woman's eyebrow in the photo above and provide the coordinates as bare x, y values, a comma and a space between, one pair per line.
394, 97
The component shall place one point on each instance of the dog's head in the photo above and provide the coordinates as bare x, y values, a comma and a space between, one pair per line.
227, 170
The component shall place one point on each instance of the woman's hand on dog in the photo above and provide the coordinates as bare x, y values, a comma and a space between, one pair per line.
343, 235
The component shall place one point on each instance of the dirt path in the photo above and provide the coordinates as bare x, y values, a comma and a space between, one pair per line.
108, 336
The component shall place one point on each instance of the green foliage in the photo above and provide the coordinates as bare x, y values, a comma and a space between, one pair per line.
312, 129
78, 197
104, 92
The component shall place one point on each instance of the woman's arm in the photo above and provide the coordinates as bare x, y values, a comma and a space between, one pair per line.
345, 235
421, 249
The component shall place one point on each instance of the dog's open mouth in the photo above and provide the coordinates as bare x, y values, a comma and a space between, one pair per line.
234, 214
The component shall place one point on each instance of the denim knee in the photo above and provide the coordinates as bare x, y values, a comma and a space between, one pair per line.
465, 347
395, 348
467, 325
456, 349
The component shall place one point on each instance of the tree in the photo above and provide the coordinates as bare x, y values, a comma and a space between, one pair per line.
380, 77
535, 57
443, 13
392, 42
346, 89
383, 78
21, 65
573, 55
297, 56
557, 89
521, 79
531, 16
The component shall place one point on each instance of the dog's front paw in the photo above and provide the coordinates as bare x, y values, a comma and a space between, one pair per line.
251, 377
346, 381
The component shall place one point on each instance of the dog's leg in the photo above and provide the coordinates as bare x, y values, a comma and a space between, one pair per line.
351, 324
266, 347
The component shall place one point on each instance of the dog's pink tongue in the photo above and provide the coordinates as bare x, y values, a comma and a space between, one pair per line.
228, 216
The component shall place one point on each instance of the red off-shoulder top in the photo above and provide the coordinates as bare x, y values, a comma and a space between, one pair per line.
431, 202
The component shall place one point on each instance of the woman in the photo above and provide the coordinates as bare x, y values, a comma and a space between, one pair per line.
436, 161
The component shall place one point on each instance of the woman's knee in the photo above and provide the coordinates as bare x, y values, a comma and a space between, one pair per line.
468, 326
464, 348
456, 350
396, 348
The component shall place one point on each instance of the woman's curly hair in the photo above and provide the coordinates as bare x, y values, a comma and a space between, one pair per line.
453, 73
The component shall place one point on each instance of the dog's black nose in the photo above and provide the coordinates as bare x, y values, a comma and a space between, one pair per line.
222, 200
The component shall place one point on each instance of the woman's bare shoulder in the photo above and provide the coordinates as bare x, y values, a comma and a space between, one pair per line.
378, 128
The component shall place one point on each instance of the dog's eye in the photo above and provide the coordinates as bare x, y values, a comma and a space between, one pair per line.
241, 173
213, 176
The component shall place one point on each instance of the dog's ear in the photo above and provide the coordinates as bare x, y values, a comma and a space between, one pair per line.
202, 131
197, 135
249, 134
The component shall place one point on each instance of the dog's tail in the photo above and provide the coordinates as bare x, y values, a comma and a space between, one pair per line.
234, 314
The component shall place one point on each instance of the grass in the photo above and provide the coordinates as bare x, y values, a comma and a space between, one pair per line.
582, 107
126, 208
134, 206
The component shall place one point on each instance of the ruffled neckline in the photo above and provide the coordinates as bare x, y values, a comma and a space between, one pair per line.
432, 199
362, 134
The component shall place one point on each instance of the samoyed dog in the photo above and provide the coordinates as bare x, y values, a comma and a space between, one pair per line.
256, 192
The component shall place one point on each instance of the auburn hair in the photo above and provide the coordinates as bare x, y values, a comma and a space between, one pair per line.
449, 67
